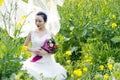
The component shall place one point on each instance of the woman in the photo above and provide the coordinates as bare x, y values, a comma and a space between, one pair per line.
46, 67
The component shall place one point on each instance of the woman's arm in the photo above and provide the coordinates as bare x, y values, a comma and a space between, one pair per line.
37, 51
27, 42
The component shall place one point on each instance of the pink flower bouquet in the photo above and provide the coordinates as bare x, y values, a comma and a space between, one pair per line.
49, 46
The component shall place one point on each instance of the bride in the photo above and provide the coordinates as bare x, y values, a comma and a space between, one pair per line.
46, 67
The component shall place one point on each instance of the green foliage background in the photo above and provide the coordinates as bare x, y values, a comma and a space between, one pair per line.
92, 22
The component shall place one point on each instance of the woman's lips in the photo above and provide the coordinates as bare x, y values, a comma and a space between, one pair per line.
38, 26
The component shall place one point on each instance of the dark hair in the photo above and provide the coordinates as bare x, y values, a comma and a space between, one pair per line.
43, 15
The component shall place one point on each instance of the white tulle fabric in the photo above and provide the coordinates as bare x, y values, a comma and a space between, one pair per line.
46, 66
32, 7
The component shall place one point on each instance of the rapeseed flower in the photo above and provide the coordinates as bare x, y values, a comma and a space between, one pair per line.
72, 75
85, 69
24, 48
1, 2
19, 24
73, 1
96, 76
68, 61
86, 56
23, 17
78, 72
68, 53
78, 79
114, 25
110, 66
101, 67
113, 16
106, 76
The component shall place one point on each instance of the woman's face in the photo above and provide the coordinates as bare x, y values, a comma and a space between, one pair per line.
39, 21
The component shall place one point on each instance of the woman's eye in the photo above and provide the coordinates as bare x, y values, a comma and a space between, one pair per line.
37, 21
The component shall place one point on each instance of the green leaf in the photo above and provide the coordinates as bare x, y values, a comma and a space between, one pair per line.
84, 32
26, 1
74, 49
116, 39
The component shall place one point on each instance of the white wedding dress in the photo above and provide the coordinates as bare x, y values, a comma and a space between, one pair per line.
45, 68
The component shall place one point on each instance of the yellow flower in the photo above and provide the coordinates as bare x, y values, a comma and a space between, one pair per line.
85, 69
49, 4
72, 75
68, 53
88, 60
78, 5
29, 78
96, 76
91, 62
114, 25
24, 48
77, 72
70, 14
78, 79
106, 76
86, 56
68, 61
24, 17
18, 75
110, 67
1, 2
27, 55
19, 24
73, 0
113, 16
101, 67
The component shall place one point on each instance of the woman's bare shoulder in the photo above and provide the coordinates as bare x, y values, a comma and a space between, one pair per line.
32, 31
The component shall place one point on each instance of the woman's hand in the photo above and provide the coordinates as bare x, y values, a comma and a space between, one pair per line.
34, 50
43, 52
38, 51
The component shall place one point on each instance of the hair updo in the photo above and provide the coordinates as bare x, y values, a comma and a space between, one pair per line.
43, 15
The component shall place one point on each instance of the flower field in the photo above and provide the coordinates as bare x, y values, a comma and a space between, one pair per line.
89, 42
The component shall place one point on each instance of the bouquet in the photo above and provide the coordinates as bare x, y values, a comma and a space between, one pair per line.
50, 46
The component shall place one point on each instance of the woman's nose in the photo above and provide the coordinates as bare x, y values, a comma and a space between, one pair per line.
37, 23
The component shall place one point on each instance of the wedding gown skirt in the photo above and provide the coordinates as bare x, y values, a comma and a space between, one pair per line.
46, 68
